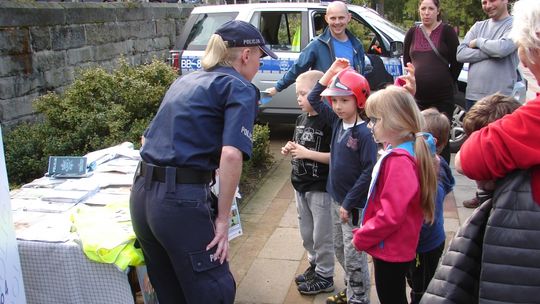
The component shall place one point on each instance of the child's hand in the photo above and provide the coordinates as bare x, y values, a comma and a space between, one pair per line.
410, 80
337, 66
343, 215
299, 151
287, 148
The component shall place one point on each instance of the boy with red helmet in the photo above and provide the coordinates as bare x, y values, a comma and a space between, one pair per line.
353, 154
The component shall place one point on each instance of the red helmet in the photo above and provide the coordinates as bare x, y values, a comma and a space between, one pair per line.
347, 83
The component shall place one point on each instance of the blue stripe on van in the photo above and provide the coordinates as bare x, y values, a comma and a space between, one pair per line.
193, 63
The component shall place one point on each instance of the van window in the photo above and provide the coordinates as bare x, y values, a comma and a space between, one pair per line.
282, 31
205, 25
360, 30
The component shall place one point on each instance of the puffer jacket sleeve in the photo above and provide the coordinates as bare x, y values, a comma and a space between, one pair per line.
456, 280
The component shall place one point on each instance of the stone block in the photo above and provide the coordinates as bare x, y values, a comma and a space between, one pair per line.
101, 33
41, 38
68, 37
80, 55
47, 60
164, 11
159, 55
82, 13
7, 89
21, 14
166, 28
14, 41
16, 64
141, 29
27, 84
162, 43
143, 45
130, 13
19, 85
17, 108
59, 77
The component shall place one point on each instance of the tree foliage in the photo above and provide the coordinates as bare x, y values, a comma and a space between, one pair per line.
459, 13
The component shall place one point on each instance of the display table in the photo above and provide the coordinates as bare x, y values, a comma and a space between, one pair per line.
61, 273
55, 268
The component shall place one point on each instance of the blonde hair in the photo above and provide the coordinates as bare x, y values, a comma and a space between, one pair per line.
401, 114
217, 53
526, 27
438, 125
309, 78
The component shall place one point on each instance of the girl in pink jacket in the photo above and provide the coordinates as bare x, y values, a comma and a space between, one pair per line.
402, 191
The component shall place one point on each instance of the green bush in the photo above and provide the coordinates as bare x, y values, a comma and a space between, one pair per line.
261, 157
100, 109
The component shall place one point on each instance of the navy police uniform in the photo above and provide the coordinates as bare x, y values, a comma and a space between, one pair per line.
172, 208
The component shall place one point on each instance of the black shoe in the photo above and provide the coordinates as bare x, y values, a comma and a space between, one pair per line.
309, 274
316, 285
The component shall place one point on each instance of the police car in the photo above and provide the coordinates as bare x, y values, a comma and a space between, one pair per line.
287, 29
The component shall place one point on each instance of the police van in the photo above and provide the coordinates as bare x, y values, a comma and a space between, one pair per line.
287, 29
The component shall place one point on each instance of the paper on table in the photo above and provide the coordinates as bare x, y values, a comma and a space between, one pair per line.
52, 228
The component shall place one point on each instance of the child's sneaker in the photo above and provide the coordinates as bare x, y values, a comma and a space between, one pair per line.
316, 285
338, 298
308, 275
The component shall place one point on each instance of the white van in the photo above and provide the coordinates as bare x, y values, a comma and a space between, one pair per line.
287, 29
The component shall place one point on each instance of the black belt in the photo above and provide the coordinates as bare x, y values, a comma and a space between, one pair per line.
183, 175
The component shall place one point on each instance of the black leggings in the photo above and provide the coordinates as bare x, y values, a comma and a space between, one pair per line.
390, 281
422, 271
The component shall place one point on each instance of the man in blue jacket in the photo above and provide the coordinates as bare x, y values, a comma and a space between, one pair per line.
335, 42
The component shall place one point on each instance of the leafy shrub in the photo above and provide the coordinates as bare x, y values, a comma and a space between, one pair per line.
260, 159
100, 109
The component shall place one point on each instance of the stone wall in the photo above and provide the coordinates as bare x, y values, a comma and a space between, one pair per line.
42, 45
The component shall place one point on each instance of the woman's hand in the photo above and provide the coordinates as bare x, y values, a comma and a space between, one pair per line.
221, 239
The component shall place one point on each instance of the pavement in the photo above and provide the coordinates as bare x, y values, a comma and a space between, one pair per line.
267, 257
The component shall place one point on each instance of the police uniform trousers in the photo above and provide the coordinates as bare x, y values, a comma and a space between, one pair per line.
174, 222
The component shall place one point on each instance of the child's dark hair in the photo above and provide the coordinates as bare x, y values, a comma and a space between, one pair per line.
488, 110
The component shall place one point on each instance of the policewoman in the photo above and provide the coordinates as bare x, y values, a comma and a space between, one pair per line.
204, 122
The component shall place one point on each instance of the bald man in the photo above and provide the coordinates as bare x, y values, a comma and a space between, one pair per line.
335, 42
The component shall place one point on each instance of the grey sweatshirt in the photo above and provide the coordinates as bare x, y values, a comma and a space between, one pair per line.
493, 64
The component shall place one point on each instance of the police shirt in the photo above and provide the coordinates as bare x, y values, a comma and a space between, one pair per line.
200, 113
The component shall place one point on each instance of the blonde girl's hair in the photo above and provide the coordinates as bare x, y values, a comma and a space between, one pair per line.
526, 27
217, 53
401, 115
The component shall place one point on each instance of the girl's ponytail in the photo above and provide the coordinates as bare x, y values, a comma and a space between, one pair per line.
428, 176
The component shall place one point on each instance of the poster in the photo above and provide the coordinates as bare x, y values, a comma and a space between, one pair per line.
11, 281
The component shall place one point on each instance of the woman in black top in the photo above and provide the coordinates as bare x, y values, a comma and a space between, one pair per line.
436, 72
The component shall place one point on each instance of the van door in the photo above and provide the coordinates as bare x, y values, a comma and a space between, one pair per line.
285, 35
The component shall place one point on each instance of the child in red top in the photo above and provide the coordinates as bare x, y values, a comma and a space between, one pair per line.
402, 191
